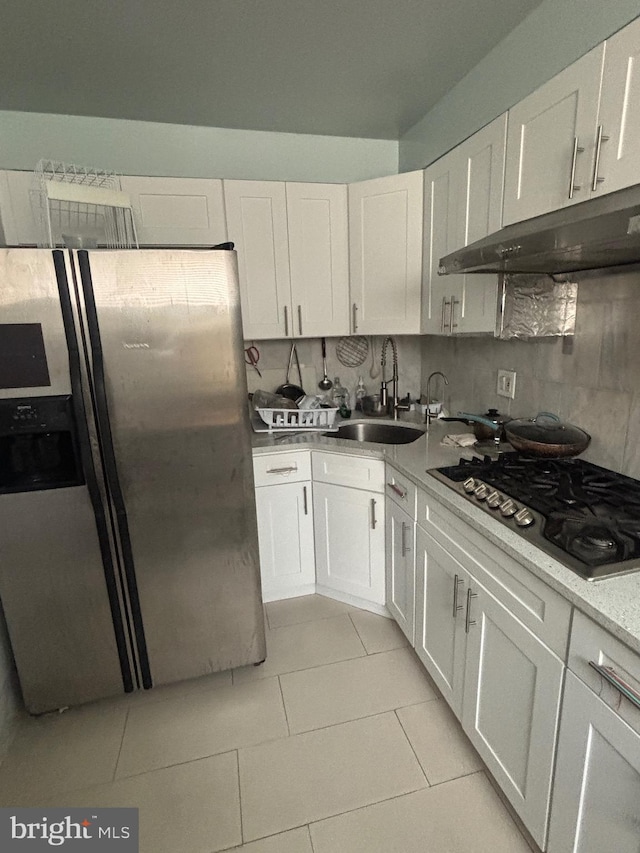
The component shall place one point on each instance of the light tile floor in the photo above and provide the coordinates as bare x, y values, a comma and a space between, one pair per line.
339, 743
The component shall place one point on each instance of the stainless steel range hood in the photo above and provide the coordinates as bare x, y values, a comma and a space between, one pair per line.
602, 233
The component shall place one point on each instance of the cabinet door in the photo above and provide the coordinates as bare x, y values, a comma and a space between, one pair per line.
16, 216
257, 224
319, 259
545, 129
401, 567
285, 535
619, 118
479, 214
596, 794
442, 295
177, 211
349, 536
440, 639
512, 688
385, 233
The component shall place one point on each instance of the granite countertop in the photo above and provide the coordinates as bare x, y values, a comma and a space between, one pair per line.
613, 603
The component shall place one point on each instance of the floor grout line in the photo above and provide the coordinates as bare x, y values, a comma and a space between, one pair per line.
310, 838
284, 707
237, 751
424, 772
355, 628
124, 731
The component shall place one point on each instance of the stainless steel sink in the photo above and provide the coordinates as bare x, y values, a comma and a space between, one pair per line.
381, 433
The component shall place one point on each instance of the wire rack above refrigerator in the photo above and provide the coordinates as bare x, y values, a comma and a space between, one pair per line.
81, 208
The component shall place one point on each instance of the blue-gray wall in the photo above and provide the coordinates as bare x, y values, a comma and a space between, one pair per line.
552, 37
149, 148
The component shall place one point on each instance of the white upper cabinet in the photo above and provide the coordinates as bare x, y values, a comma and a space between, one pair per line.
318, 259
618, 134
463, 203
257, 224
385, 234
16, 217
551, 140
292, 245
177, 211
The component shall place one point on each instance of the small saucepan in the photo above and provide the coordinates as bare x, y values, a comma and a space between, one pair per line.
485, 427
289, 390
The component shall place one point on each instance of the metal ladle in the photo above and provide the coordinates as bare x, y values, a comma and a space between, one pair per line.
325, 383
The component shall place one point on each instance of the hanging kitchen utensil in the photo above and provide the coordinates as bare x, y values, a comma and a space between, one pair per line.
252, 357
325, 383
292, 392
546, 435
352, 351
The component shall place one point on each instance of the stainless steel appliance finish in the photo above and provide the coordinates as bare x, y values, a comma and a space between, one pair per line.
585, 516
151, 574
602, 233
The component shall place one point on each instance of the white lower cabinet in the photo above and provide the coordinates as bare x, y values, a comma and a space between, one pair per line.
510, 705
349, 537
400, 536
596, 798
500, 679
440, 640
596, 794
285, 535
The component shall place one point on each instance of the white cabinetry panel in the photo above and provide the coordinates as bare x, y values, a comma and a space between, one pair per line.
319, 259
16, 217
385, 234
545, 168
177, 211
400, 535
619, 118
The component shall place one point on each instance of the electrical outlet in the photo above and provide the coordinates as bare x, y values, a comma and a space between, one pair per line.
506, 383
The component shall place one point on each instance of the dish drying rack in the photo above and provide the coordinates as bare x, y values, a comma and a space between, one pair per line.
307, 420
80, 207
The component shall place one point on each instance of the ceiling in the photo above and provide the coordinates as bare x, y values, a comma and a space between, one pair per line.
364, 68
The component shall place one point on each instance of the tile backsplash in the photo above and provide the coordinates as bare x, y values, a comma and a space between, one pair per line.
595, 386
275, 354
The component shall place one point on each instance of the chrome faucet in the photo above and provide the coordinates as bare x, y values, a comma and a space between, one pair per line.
391, 405
428, 416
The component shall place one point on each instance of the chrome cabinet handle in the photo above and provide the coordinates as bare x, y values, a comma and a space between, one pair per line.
304, 497
445, 302
300, 319
287, 470
400, 492
596, 163
456, 584
354, 314
453, 325
404, 547
468, 621
609, 674
286, 322
577, 149
442, 317
374, 520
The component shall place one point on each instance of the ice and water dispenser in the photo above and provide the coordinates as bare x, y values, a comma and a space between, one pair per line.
38, 445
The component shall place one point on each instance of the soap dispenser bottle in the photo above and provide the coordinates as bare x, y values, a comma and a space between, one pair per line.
361, 392
340, 394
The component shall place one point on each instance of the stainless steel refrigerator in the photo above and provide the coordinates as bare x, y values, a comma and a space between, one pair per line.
128, 537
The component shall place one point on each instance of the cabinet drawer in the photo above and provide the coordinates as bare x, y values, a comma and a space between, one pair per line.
591, 642
282, 467
401, 491
354, 471
536, 605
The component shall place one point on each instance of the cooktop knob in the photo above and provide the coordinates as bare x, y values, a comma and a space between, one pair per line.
494, 500
469, 485
523, 518
509, 508
481, 491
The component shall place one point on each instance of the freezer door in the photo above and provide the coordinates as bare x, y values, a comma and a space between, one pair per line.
33, 350
52, 585
171, 344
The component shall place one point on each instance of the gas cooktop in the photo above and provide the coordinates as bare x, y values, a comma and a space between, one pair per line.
586, 517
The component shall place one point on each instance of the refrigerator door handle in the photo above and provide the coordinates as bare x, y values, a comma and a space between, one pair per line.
110, 464
88, 466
